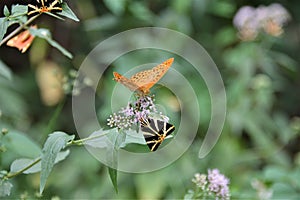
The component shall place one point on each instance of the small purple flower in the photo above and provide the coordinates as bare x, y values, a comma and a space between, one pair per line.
250, 21
218, 183
134, 112
128, 111
278, 14
214, 184
245, 17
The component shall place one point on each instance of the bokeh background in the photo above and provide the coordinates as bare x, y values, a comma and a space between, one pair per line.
260, 141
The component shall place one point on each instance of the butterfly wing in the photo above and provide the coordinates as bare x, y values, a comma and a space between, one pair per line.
125, 81
144, 80
155, 131
147, 78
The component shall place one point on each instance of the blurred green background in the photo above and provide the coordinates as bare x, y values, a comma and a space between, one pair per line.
260, 140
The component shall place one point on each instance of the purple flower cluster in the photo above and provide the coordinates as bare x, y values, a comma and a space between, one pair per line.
250, 21
218, 184
213, 184
132, 114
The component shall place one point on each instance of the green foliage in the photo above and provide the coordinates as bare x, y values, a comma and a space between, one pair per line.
6, 11
116, 138
5, 71
18, 13
22, 163
3, 26
67, 12
5, 188
116, 6
54, 144
46, 35
259, 141
21, 144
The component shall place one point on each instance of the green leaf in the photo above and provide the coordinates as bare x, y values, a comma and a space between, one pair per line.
141, 11
112, 140
55, 142
116, 6
67, 12
22, 163
3, 27
6, 11
19, 13
133, 137
113, 174
189, 195
45, 34
100, 139
5, 71
5, 188
116, 139
22, 145
18, 10
223, 9
284, 191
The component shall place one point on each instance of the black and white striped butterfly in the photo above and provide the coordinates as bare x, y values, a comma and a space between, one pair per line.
155, 132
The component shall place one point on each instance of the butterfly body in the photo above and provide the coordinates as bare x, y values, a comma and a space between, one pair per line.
155, 131
144, 80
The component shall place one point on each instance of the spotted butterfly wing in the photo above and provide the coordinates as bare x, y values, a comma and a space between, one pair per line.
125, 81
144, 80
155, 131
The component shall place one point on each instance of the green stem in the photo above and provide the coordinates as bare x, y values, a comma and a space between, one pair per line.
11, 175
55, 116
17, 30
81, 141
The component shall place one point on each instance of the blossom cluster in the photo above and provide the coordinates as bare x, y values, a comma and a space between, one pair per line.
218, 184
251, 21
134, 112
214, 184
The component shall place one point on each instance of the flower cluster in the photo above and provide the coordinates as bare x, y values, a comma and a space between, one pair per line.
200, 180
218, 184
140, 109
214, 184
270, 19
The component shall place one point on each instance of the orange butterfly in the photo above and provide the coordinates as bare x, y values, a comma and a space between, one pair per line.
144, 80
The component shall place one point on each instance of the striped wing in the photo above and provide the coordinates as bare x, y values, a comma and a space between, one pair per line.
155, 131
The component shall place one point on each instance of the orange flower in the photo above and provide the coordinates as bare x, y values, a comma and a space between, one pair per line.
22, 41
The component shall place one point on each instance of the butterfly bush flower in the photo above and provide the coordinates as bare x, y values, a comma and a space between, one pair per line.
200, 180
218, 184
212, 185
133, 112
245, 21
250, 21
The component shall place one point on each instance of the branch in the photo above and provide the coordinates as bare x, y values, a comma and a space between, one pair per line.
18, 29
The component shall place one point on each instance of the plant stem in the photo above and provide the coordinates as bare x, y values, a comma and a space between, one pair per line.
17, 30
11, 175
81, 141
55, 116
